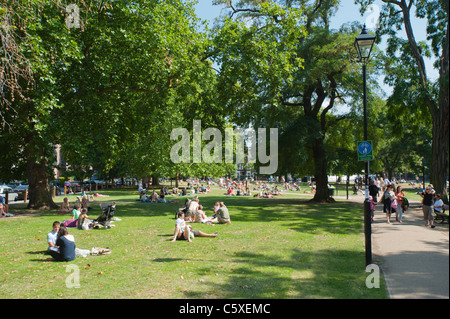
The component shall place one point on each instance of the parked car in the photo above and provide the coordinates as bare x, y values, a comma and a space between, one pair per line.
6, 189
95, 184
59, 187
20, 190
76, 187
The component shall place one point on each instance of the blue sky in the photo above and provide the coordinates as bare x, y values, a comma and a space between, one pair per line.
207, 11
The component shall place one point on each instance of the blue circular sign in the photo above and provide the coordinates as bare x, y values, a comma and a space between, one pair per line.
364, 148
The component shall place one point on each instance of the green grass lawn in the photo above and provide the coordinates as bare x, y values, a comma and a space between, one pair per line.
275, 248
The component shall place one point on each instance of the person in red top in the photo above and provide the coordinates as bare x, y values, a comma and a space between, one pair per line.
399, 212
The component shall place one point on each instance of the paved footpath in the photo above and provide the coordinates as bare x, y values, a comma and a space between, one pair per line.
413, 258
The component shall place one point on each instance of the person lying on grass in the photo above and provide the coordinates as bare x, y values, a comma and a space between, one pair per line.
185, 232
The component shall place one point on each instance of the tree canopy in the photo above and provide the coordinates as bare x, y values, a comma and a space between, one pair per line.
110, 81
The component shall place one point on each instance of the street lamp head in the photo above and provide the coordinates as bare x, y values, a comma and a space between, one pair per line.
364, 44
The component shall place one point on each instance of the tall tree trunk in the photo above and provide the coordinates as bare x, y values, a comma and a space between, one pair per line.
316, 131
38, 180
439, 148
320, 172
155, 180
36, 153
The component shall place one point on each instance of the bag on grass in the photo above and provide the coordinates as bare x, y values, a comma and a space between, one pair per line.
100, 251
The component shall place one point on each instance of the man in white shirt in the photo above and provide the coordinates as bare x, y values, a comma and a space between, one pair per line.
52, 236
438, 204
181, 231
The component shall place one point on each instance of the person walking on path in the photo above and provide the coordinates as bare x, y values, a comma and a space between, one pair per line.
399, 212
427, 206
387, 199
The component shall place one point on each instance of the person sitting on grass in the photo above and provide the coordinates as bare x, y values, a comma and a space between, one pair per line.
65, 206
84, 204
52, 236
268, 195
230, 191
192, 209
200, 216
222, 215
185, 232
84, 221
3, 210
162, 196
66, 245
76, 211
153, 197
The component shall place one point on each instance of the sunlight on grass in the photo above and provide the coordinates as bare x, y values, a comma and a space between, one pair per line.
278, 248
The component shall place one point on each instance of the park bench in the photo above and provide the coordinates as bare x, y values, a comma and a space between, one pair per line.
442, 216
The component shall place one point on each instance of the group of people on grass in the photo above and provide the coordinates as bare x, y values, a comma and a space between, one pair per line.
263, 190
394, 202
61, 245
79, 217
192, 212
154, 197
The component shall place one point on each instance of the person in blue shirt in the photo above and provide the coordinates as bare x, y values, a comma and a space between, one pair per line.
52, 236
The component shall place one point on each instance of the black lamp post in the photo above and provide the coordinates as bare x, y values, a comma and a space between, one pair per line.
364, 44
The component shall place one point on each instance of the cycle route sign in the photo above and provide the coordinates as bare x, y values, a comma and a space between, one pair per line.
365, 151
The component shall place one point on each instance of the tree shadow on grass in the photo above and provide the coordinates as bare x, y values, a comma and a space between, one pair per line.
319, 274
301, 215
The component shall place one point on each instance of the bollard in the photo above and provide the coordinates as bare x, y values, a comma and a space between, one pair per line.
368, 231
